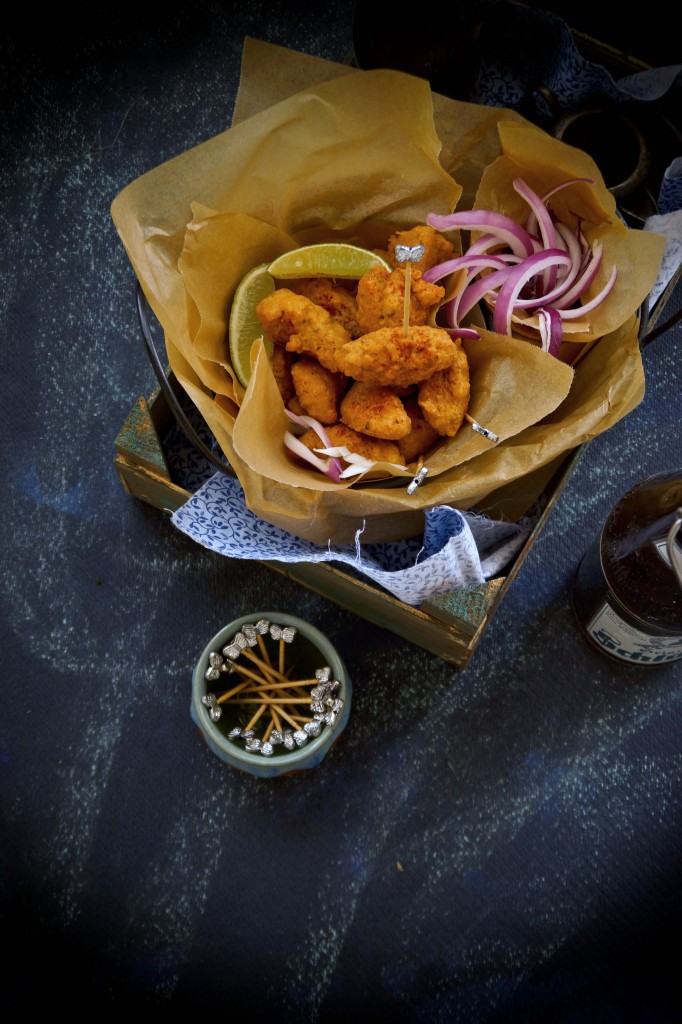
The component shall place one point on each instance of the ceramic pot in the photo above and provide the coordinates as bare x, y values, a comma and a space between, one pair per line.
308, 656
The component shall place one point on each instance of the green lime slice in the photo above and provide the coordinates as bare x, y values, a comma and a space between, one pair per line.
244, 326
326, 259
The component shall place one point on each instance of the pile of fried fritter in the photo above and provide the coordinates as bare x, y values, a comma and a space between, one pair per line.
384, 382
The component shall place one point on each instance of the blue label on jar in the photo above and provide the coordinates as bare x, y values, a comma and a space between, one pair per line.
629, 643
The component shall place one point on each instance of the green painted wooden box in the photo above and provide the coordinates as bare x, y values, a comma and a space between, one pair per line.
450, 626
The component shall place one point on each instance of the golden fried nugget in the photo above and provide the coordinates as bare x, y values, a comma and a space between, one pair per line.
281, 362
421, 437
381, 298
438, 248
395, 358
374, 409
444, 397
294, 405
318, 389
301, 326
371, 448
339, 302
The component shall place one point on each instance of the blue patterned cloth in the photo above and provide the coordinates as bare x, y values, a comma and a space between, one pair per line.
457, 549
509, 75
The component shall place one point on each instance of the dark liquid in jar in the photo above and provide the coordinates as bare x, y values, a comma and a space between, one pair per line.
627, 596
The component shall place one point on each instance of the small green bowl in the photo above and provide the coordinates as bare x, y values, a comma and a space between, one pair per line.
314, 659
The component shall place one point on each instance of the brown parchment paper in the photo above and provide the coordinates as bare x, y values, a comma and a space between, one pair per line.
318, 152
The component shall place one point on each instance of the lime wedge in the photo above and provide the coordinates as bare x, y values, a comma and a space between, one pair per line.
244, 326
326, 259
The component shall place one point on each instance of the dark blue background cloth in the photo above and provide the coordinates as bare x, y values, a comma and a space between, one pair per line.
499, 843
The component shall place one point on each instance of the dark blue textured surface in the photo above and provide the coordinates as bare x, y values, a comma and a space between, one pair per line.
494, 844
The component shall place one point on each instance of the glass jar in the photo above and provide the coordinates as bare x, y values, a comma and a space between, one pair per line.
627, 593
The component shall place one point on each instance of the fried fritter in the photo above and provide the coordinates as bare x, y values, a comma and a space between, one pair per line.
444, 397
421, 437
392, 357
369, 447
281, 362
294, 405
438, 248
318, 389
339, 302
381, 298
374, 409
301, 326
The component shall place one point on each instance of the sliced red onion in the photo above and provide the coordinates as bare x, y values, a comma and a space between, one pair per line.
516, 279
474, 292
586, 275
546, 228
355, 470
542, 215
571, 241
565, 184
548, 270
587, 307
332, 468
310, 424
357, 463
531, 225
551, 330
467, 262
482, 244
507, 230
473, 265
463, 332
552, 296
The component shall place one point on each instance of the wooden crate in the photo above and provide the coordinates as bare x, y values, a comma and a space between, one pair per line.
450, 626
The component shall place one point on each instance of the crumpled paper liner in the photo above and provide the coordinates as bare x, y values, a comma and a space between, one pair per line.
354, 157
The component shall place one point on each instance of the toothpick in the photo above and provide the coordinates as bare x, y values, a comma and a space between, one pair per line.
255, 718
285, 635
242, 686
253, 632
292, 721
264, 650
268, 670
408, 254
273, 690
229, 693
263, 699
262, 684
406, 303
293, 683
489, 435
